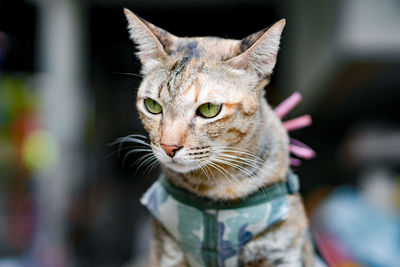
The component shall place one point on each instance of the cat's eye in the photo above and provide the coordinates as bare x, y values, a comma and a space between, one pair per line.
209, 110
152, 106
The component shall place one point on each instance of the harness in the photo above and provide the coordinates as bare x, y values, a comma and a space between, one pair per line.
211, 233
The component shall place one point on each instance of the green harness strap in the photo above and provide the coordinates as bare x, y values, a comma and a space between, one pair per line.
290, 186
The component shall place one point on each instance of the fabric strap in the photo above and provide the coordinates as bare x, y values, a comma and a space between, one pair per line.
290, 186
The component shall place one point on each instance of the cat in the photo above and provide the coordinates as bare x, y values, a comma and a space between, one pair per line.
220, 146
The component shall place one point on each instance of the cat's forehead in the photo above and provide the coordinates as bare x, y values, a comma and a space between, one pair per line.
205, 48
188, 82
192, 63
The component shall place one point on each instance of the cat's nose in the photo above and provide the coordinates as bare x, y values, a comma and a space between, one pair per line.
171, 149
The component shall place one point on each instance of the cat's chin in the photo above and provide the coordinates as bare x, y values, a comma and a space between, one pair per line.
180, 168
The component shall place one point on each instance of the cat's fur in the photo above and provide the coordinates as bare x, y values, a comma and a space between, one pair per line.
183, 73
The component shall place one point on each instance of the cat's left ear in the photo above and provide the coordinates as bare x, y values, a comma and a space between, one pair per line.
259, 51
152, 42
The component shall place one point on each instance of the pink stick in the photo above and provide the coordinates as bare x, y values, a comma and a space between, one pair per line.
298, 123
287, 105
295, 162
302, 152
298, 143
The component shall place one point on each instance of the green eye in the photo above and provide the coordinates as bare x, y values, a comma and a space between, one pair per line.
152, 106
209, 110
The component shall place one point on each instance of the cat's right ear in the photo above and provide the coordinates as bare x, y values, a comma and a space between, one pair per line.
152, 42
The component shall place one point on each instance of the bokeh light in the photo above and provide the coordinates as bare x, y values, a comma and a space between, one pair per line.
39, 150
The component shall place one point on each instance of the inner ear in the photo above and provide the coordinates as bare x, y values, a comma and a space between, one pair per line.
248, 41
153, 43
165, 38
259, 51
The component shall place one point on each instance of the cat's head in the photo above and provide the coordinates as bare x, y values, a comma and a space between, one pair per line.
201, 96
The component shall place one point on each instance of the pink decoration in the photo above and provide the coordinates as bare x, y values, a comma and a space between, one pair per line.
302, 152
300, 149
295, 162
296, 147
287, 105
298, 123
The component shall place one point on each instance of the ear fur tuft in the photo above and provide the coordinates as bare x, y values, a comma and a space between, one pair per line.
151, 41
260, 56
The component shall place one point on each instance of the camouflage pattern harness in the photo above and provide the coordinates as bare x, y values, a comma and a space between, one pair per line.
212, 233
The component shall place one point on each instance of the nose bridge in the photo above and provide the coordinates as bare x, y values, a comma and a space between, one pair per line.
173, 132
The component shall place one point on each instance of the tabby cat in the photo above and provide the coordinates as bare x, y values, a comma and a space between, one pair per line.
222, 199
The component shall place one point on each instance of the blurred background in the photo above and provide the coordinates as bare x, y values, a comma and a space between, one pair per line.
67, 199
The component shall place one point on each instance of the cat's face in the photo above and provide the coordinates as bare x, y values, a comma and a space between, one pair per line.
201, 96
192, 111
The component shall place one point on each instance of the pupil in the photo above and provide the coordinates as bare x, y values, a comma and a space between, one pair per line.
154, 102
209, 106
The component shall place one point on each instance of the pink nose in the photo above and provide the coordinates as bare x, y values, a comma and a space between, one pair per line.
171, 149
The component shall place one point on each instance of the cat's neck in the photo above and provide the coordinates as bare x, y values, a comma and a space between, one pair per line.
269, 143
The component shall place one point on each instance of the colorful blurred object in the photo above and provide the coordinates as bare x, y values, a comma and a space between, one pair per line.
18, 118
19, 121
360, 225
352, 230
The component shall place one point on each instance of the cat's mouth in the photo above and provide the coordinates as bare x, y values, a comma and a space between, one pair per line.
181, 162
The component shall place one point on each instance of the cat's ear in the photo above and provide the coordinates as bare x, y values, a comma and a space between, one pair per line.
259, 51
152, 42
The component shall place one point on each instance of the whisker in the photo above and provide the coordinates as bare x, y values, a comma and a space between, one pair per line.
130, 138
219, 168
140, 140
135, 151
255, 180
142, 158
151, 165
256, 164
236, 166
203, 170
144, 162
254, 159
209, 170
240, 161
241, 158
122, 149
122, 140
128, 73
253, 177
237, 150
